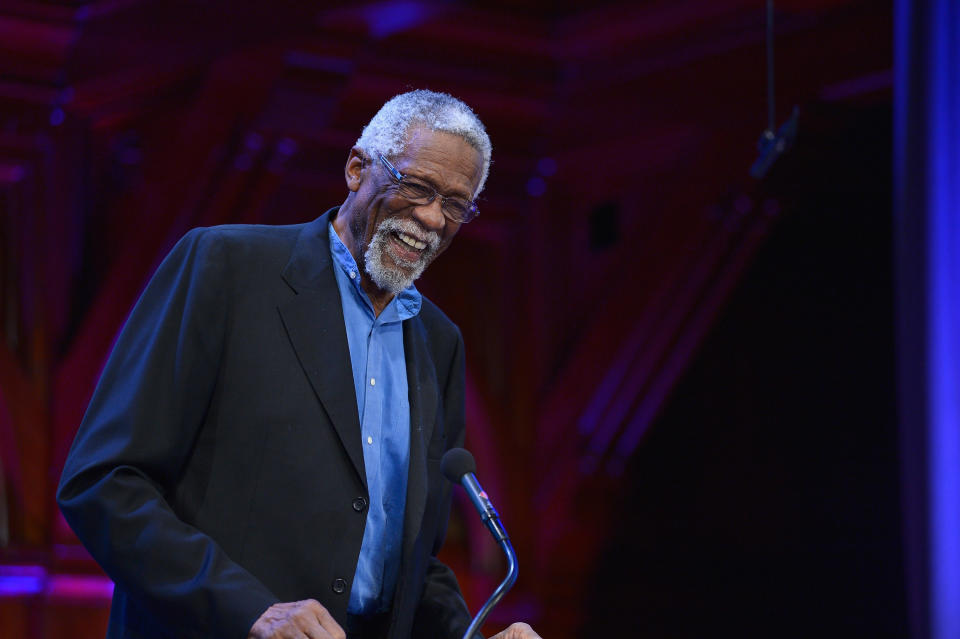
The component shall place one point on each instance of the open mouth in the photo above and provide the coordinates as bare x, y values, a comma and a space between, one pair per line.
407, 247
411, 241
398, 253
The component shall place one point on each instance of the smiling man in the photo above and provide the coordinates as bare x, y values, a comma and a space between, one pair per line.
400, 215
261, 455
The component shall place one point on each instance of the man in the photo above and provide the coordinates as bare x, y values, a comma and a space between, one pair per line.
261, 455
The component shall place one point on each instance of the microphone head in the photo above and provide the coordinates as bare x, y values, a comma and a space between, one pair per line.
456, 463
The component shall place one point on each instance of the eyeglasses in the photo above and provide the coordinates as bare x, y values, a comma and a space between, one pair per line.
419, 192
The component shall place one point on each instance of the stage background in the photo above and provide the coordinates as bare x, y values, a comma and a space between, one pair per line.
681, 379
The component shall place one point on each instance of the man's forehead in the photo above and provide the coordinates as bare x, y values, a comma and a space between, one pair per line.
441, 156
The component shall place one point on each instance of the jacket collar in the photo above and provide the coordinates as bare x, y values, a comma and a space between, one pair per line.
314, 322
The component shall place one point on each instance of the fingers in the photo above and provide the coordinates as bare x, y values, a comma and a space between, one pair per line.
296, 620
322, 622
518, 631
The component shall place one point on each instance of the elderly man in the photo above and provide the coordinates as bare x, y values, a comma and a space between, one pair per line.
261, 455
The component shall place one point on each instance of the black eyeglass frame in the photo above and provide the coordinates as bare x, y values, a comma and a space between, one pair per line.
469, 205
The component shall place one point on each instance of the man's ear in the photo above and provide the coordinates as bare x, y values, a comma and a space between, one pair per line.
353, 171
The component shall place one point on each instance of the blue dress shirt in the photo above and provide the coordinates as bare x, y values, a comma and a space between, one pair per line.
380, 379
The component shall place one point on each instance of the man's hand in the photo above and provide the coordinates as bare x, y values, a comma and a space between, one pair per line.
296, 620
517, 631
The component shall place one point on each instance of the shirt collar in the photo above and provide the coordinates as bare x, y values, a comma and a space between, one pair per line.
406, 304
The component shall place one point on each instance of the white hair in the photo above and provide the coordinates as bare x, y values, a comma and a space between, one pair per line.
391, 279
387, 131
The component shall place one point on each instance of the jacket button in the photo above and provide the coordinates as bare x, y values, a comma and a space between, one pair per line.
339, 585
359, 504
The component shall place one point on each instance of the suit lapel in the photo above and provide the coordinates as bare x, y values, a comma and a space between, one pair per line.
314, 323
422, 385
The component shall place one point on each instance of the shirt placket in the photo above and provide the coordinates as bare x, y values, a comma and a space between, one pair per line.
373, 404
373, 427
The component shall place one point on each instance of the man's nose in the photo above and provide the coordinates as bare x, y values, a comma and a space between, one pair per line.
431, 216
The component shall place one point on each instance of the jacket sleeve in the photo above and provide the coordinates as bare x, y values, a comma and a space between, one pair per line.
136, 436
442, 612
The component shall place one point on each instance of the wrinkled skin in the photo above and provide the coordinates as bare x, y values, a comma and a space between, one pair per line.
296, 620
444, 160
517, 631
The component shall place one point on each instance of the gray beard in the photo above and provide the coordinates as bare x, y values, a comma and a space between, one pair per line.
390, 278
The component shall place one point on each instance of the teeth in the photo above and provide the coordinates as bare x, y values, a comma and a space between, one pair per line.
412, 242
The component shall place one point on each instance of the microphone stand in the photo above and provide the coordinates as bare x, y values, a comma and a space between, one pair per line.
458, 465
505, 585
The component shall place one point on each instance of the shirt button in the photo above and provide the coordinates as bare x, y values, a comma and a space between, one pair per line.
359, 504
373, 382
353, 274
369, 440
339, 586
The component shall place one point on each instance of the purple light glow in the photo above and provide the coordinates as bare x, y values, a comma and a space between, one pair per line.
32, 580
387, 18
927, 138
943, 345
547, 166
536, 187
20, 581
19, 586
79, 587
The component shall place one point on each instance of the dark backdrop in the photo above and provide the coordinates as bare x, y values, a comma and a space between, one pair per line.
766, 500
678, 388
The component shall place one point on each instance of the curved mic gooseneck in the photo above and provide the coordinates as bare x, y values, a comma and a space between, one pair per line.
458, 466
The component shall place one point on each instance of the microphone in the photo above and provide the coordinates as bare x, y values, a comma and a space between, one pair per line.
458, 466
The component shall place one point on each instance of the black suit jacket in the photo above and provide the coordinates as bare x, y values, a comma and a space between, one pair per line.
219, 467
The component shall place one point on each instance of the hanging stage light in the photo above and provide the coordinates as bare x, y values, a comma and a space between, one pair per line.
773, 144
